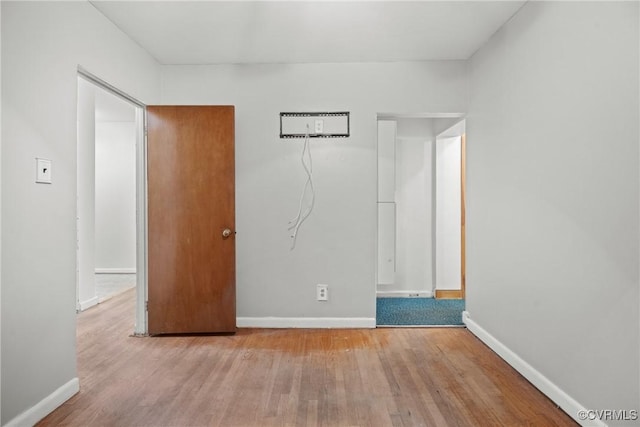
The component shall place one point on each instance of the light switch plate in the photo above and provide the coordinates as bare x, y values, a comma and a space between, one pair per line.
43, 171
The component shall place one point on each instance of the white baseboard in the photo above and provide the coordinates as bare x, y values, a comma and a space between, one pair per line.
306, 322
552, 391
115, 271
83, 305
43, 408
404, 294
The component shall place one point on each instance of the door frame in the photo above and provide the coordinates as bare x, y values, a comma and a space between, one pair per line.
461, 293
140, 328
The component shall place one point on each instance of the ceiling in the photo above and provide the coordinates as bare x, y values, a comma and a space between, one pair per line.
244, 32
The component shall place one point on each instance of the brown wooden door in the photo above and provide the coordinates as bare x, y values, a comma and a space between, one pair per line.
191, 202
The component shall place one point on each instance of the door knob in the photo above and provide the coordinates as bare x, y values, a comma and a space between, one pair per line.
226, 233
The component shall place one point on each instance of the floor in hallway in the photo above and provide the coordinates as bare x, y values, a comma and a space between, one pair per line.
110, 285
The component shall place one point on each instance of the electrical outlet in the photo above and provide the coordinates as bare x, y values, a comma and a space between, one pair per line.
322, 292
319, 126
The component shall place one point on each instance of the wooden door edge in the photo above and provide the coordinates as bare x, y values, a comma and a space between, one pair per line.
449, 294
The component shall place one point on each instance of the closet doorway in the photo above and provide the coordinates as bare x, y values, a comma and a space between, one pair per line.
420, 234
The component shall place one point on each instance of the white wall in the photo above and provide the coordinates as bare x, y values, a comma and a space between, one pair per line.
414, 215
115, 219
337, 243
414, 195
86, 201
448, 214
42, 45
0, 219
552, 157
386, 232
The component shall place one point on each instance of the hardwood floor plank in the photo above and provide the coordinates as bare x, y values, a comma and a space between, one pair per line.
293, 377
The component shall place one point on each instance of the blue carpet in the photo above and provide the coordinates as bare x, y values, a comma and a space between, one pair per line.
419, 311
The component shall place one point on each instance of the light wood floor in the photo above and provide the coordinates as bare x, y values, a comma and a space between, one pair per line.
294, 377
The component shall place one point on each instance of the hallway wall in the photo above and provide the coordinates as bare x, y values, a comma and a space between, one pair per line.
448, 214
414, 209
115, 197
86, 188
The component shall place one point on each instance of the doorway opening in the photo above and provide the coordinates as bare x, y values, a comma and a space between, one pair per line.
111, 198
420, 233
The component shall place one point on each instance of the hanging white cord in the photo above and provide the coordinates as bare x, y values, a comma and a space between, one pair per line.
308, 167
